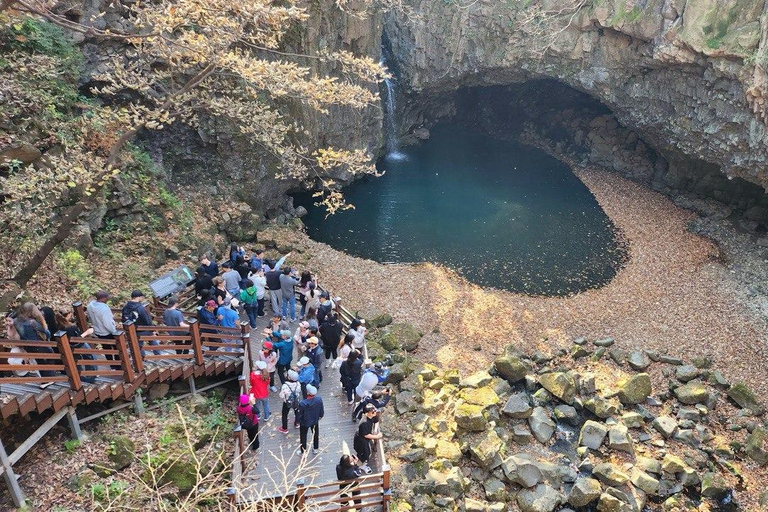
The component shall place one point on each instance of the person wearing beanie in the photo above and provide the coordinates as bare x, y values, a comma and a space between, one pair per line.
306, 374
259, 379
269, 356
284, 349
248, 416
311, 411
366, 434
290, 393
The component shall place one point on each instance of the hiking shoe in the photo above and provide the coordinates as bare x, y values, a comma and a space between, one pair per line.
295, 425
282, 430
366, 469
299, 452
327, 364
273, 389
315, 451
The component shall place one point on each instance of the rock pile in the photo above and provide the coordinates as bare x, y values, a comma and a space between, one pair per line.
576, 433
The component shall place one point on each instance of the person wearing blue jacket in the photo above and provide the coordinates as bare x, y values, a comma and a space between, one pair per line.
311, 411
284, 349
315, 355
306, 374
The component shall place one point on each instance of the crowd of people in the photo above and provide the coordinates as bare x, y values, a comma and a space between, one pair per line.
297, 347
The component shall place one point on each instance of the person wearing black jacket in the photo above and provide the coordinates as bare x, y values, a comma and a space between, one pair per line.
207, 266
135, 311
379, 399
351, 371
203, 281
347, 471
330, 333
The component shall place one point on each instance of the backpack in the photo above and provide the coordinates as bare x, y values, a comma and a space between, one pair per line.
293, 400
249, 420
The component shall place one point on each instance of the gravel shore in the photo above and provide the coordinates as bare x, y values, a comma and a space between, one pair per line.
674, 295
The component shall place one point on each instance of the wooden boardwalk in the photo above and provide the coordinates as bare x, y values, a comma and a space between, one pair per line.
275, 469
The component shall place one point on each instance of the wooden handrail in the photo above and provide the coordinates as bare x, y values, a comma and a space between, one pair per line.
125, 360
197, 346
133, 340
80, 319
70, 366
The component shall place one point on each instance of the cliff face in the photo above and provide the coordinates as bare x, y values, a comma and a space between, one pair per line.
688, 77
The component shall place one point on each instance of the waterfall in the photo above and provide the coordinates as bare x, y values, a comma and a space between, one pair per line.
391, 135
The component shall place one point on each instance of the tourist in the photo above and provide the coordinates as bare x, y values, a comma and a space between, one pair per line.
311, 318
275, 293
312, 298
357, 329
345, 347
331, 334
207, 266
207, 316
379, 399
257, 262
300, 337
234, 252
135, 311
315, 355
248, 415
242, 267
219, 290
311, 411
259, 380
172, 317
284, 348
269, 356
231, 279
260, 282
306, 374
102, 320
290, 393
304, 282
65, 321
203, 281
31, 326
250, 301
351, 372
226, 316
324, 307
278, 324
370, 379
365, 436
287, 283
204, 297
347, 471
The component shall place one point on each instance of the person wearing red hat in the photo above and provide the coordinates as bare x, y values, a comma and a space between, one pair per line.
269, 356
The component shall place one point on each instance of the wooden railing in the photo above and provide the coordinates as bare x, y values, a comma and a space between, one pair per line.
122, 357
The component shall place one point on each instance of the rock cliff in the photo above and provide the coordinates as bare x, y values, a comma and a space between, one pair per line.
688, 77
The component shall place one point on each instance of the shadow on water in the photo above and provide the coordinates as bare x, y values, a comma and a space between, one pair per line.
501, 214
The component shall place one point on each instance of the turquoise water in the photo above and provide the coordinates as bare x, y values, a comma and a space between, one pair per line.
501, 214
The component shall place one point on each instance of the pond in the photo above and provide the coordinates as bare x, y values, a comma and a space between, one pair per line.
501, 214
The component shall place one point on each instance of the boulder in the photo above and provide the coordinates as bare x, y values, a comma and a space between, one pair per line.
686, 372
610, 474
486, 451
666, 425
522, 472
397, 373
560, 385
692, 393
713, 485
619, 439
541, 424
741, 394
448, 450
605, 342
644, 481
484, 396
23, 152
121, 452
379, 320
521, 434
601, 407
592, 434
495, 490
635, 389
566, 414
511, 367
633, 420
181, 473
517, 406
158, 391
672, 464
584, 492
541, 498
470, 417
476, 380
638, 360
403, 336
405, 402
756, 446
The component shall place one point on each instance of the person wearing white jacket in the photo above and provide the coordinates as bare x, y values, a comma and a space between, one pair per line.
290, 394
